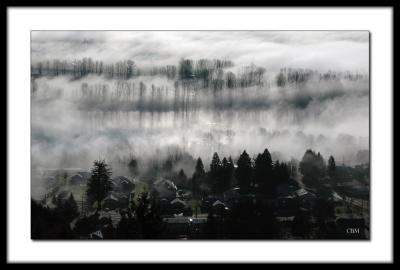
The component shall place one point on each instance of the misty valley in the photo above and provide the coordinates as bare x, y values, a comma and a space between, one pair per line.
197, 148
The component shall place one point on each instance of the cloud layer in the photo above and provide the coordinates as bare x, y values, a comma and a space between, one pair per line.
321, 50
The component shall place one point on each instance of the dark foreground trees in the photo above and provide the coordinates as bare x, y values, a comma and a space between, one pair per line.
243, 172
220, 176
260, 176
198, 177
263, 176
99, 184
133, 167
142, 221
215, 174
53, 223
313, 168
247, 219
332, 168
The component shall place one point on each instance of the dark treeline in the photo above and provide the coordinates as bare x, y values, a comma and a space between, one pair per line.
252, 175
189, 73
202, 73
138, 221
260, 175
79, 68
53, 223
126, 69
290, 76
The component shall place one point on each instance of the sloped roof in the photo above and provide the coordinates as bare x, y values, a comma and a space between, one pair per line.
176, 200
97, 234
336, 196
218, 202
119, 179
111, 197
166, 184
301, 192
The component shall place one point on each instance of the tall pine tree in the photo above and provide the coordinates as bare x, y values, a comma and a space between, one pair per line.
99, 184
215, 173
244, 172
198, 177
226, 174
263, 171
312, 167
332, 168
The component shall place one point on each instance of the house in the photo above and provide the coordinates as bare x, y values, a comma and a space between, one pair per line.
219, 207
77, 179
96, 235
306, 199
179, 193
213, 202
178, 201
124, 200
122, 184
218, 203
61, 196
337, 200
178, 206
165, 188
116, 200
111, 201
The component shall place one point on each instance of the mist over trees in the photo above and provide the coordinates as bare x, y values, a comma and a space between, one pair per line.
209, 73
206, 100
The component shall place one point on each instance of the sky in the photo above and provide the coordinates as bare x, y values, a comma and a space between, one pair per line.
320, 50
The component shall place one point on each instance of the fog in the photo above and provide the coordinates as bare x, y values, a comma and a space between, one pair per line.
77, 120
321, 50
